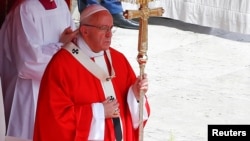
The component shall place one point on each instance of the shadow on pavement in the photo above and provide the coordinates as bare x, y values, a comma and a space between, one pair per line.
162, 21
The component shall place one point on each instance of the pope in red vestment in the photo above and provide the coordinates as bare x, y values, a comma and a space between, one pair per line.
71, 98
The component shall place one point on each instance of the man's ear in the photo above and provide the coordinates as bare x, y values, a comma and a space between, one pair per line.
83, 30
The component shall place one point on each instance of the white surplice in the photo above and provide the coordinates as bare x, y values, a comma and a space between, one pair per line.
28, 39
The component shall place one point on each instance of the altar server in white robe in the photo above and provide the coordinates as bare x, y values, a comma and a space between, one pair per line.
32, 33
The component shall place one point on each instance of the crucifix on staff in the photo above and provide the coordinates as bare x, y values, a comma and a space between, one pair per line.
143, 14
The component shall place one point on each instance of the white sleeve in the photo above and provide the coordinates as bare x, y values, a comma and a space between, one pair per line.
98, 122
51, 49
134, 108
38, 39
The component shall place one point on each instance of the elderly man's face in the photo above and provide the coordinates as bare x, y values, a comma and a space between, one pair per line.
97, 32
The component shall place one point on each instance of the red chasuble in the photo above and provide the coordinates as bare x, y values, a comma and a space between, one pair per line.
48, 4
67, 91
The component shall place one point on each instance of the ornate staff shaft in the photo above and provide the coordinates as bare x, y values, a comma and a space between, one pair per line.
143, 13
142, 60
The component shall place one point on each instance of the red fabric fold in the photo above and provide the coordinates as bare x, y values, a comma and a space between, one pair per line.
48, 4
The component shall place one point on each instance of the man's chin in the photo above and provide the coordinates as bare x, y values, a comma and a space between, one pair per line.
106, 45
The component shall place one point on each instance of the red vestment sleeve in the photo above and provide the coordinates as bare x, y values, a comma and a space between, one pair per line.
59, 115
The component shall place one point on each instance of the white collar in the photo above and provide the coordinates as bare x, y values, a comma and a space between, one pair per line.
86, 49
